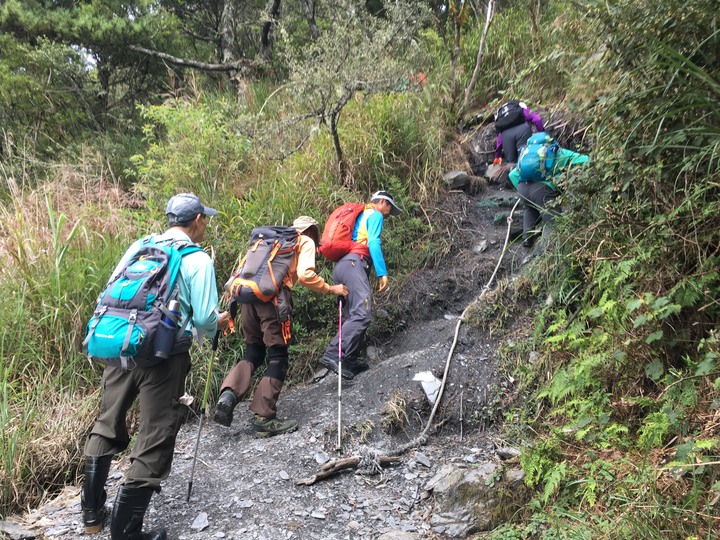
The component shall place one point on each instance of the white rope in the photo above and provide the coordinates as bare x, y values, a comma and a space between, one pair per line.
422, 438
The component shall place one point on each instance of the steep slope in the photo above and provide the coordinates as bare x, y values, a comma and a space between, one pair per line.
247, 488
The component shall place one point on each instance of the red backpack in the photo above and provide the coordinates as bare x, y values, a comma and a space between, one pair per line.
336, 241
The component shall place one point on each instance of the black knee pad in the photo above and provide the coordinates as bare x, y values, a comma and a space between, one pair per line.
277, 363
255, 354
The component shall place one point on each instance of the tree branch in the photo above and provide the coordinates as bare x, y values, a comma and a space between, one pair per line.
333, 467
481, 49
204, 66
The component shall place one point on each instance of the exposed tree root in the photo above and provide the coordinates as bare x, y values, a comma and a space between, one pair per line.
335, 466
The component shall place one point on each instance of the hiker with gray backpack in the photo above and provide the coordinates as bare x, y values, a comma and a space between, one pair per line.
278, 258
161, 296
540, 167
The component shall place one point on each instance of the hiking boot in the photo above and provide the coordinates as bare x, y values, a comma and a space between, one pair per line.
332, 365
224, 408
358, 367
128, 515
267, 427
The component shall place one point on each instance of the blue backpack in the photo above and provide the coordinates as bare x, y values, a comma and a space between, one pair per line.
123, 328
537, 158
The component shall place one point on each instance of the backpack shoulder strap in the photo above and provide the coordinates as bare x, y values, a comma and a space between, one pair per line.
188, 248
183, 247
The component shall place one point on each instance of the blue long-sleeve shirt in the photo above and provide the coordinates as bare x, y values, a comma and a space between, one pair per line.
368, 228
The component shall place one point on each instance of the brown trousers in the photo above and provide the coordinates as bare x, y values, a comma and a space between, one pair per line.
263, 332
159, 388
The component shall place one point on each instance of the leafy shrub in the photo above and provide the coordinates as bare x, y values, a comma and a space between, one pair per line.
42, 100
190, 148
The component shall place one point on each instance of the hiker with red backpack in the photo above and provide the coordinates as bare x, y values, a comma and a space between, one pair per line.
513, 123
266, 320
161, 277
360, 245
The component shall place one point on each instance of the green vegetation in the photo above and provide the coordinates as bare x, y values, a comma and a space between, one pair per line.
624, 397
620, 401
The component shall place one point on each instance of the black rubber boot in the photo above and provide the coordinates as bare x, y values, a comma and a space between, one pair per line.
128, 514
358, 366
93, 495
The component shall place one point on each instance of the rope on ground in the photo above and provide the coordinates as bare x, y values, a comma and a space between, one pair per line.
369, 459
421, 439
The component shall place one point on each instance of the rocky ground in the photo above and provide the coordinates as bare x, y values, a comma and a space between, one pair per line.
246, 487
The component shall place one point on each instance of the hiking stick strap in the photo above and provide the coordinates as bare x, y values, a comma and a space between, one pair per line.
132, 318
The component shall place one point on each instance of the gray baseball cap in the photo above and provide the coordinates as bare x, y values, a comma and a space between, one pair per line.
184, 207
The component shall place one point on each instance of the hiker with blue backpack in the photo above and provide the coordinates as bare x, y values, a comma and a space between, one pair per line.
161, 296
513, 123
541, 164
279, 257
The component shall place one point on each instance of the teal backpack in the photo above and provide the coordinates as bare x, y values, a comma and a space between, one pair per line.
124, 326
537, 158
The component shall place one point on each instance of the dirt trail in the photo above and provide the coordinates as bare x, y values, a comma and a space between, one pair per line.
245, 487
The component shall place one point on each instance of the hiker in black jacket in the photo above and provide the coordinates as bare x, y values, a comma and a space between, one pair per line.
513, 123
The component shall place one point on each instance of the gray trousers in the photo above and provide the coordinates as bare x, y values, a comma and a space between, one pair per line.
352, 271
539, 200
159, 388
513, 139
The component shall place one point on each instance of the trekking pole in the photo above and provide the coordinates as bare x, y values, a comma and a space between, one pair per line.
202, 414
338, 448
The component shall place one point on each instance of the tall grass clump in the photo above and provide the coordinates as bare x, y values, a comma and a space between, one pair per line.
55, 262
628, 405
531, 52
403, 137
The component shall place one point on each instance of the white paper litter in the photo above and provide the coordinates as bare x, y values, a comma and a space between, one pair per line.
430, 384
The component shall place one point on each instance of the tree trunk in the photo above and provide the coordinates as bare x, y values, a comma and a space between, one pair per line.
104, 72
478, 61
454, 54
308, 10
342, 167
266, 40
535, 13
227, 32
